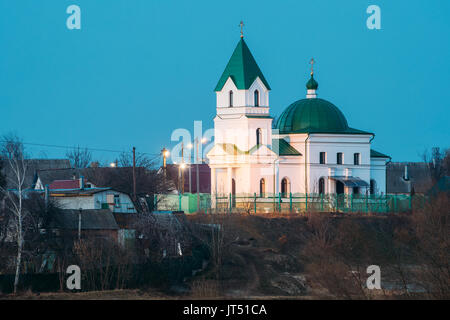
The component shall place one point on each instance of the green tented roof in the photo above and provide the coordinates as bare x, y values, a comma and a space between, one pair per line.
242, 68
283, 148
376, 154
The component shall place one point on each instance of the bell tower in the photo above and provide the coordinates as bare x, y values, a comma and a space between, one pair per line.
242, 113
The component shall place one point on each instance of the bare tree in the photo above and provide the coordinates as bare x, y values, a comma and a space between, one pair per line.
13, 154
438, 163
79, 158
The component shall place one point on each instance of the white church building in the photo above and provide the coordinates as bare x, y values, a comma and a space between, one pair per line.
309, 149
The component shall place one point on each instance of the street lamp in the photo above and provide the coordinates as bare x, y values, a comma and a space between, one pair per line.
203, 140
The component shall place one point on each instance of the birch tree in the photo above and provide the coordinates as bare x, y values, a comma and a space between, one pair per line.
13, 156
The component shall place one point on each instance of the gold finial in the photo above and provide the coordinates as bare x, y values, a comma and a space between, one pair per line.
312, 64
242, 28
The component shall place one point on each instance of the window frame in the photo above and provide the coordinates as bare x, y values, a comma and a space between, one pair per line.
357, 159
324, 160
340, 158
256, 98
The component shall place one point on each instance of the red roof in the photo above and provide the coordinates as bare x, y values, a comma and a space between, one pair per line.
65, 184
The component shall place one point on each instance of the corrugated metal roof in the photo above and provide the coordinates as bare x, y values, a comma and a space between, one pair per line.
95, 219
418, 177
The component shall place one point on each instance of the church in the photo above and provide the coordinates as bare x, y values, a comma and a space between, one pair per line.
309, 149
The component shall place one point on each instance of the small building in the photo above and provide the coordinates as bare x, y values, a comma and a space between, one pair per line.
407, 178
91, 198
95, 223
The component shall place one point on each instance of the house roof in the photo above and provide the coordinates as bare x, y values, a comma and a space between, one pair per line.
91, 219
283, 148
76, 192
33, 166
204, 172
242, 69
418, 177
65, 184
376, 154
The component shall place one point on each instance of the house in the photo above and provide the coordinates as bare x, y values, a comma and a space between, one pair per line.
33, 166
407, 178
74, 194
97, 223
188, 175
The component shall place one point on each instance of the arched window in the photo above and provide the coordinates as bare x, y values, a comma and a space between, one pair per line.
258, 136
231, 98
285, 187
321, 186
256, 98
262, 187
373, 186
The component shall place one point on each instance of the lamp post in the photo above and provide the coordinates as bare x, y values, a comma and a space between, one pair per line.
203, 140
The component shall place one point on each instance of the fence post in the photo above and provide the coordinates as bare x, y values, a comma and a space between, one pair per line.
255, 202
279, 201
336, 202
179, 201
367, 202
321, 202
229, 203
351, 202
306, 201
290, 201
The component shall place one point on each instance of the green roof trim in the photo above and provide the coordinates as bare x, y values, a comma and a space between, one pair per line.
231, 148
283, 148
242, 68
376, 154
259, 117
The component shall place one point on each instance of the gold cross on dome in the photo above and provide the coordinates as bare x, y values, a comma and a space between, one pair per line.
312, 65
242, 28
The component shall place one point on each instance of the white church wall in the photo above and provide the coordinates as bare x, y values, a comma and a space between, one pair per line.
242, 98
378, 173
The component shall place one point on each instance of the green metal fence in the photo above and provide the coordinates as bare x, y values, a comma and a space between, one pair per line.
290, 203
298, 203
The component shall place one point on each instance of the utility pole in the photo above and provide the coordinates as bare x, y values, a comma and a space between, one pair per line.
182, 167
198, 179
79, 224
134, 173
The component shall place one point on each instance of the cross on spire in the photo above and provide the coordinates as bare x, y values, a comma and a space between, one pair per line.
312, 65
242, 28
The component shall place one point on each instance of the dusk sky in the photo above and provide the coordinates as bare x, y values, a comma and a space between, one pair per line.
139, 69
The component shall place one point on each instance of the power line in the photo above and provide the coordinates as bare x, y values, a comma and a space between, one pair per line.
85, 148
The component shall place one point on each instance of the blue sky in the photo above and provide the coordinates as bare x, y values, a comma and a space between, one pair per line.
139, 69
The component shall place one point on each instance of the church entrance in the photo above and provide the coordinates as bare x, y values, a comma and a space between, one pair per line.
339, 187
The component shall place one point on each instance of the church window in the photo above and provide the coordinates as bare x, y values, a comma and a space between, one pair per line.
262, 187
355, 190
256, 97
339, 158
356, 158
321, 186
258, 136
322, 157
231, 98
373, 186
285, 187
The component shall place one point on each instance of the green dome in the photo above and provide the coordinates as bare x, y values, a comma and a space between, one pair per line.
313, 116
312, 84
